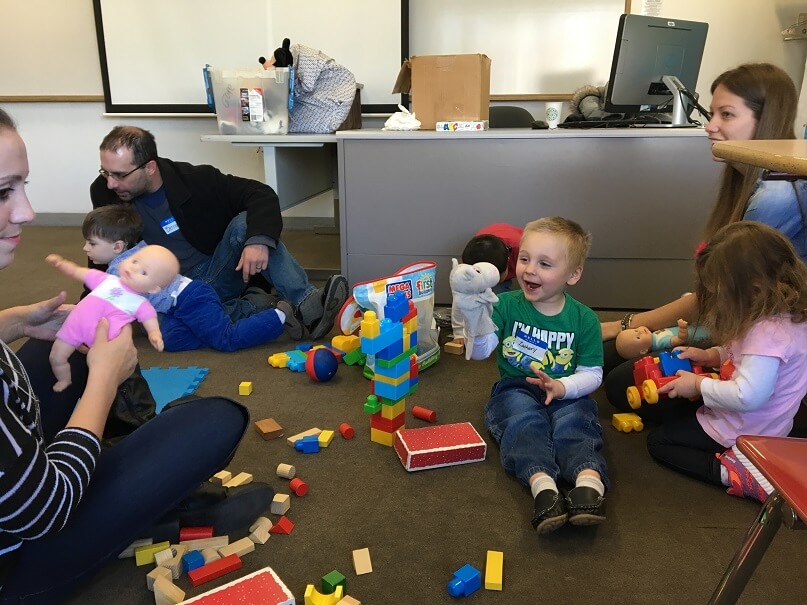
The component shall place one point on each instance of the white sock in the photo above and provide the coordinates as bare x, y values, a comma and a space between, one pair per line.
541, 483
592, 482
724, 476
281, 315
749, 466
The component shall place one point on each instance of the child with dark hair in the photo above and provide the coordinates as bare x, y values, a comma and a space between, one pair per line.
193, 315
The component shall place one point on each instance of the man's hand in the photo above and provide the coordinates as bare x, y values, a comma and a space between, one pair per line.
254, 259
554, 389
43, 319
687, 385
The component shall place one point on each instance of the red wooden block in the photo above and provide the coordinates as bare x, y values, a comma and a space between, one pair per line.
298, 486
195, 533
262, 587
441, 445
284, 525
424, 414
346, 431
214, 569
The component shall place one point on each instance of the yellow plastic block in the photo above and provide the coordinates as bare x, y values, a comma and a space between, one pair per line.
278, 360
390, 412
325, 438
393, 381
370, 326
382, 437
627, 422
245, 388
145, 554
494, 568
346, 343
314, 597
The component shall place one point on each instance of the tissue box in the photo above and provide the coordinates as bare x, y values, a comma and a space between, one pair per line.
446, 87
251, 100
441, 445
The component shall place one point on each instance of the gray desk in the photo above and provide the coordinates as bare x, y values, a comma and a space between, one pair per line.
644, 194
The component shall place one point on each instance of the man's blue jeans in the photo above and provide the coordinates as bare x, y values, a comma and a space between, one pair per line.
284, 272
560, 439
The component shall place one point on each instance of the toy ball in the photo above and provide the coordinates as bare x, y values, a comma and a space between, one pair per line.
321, 365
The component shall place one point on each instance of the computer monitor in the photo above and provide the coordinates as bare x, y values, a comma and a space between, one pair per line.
655, 67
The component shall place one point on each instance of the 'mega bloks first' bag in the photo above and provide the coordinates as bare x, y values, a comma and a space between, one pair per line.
417, 282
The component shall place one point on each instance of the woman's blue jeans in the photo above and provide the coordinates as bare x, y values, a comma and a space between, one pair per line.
560, 439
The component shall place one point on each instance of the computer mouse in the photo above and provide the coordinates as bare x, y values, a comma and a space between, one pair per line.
539, 125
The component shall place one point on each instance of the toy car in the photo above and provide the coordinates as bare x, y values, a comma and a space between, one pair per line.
651, 373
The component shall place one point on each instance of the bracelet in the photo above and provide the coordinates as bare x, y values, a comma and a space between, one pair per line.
625, 322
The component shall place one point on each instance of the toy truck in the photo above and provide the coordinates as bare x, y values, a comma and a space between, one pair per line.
651, 373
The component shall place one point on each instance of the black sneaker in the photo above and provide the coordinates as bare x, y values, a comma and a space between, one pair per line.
333, 296
549, 512
292, 325
227, 509
586, 506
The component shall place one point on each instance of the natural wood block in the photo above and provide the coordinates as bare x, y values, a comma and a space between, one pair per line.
281, 504
221, 477
286, 470
239, 547
293, 438
361, 561
454, 348
157, 572
268, 428
239, 479
167, 593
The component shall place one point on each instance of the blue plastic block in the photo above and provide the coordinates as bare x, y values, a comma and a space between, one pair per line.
669, 363
307, 445
304, 347
392, 392
397, 306
390, 332
466, 581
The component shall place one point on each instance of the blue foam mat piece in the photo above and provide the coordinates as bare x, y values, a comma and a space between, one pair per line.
167, 384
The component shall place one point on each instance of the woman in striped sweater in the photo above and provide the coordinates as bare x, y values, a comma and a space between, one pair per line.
66, 506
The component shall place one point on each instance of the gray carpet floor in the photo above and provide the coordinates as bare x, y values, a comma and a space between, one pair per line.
667, 539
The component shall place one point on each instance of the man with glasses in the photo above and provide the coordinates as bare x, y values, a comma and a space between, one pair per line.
222, 228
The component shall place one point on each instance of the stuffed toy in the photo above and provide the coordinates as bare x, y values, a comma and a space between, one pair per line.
282, 56
471, 289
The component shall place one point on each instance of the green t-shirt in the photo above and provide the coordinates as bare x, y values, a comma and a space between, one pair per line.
557, 344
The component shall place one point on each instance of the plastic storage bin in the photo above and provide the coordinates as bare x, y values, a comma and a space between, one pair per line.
251, 100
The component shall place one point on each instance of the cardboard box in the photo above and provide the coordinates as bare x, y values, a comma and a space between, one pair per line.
446, 87
251, 100
441, 445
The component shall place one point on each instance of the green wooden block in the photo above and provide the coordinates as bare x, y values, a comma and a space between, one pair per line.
331, 580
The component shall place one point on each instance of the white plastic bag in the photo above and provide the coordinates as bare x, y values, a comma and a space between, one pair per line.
402, 120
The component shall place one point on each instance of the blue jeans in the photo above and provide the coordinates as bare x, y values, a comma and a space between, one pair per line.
560, 439
284, 272
131, 489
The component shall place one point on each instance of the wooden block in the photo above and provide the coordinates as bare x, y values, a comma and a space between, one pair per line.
129, 551
157, 572
286, 470
314, 597
259, 531
221, 477
239, 479
284, 525
195, 533
293, 438
214, 570
439, 445
175, 564
261, 522
214, 542
161, 557
245, 388
210, 555
281, 504
167, 593
241, 547
348, 600
145, 554
325, 438
454, 348
361, 561
268, 429
494, 568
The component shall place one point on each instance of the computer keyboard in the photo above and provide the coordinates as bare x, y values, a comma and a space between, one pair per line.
616, 123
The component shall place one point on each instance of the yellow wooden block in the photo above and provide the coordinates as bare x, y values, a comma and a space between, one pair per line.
382, 437
494, 569
390, 412
145, 554
245, 388
313, 597
325, 438
278, 360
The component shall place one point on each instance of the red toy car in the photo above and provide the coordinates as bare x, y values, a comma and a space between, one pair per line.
651, 373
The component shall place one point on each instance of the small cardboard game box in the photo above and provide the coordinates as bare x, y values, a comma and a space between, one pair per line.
440, 445
446, 87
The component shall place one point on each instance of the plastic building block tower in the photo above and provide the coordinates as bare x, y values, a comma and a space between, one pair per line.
391, 347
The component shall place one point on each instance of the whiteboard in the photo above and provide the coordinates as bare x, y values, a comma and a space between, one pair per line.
153, 51
535, 46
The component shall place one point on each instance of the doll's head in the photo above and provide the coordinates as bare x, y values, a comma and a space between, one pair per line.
149, 270
634, 342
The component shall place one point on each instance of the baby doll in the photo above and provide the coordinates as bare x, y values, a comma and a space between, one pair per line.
473, 298
641, 341
119, 299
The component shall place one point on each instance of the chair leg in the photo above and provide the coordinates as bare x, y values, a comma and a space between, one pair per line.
757, 540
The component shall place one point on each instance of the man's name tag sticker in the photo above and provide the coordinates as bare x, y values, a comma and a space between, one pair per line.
169, 225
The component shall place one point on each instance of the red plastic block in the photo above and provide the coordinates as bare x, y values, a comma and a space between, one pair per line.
214, 569
195, 533
262, 587
298, 486
284, 525
424, 414
441, 445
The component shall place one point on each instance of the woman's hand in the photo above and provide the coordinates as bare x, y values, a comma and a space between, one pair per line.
610, 329
554, 389
112, 360
43, 319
